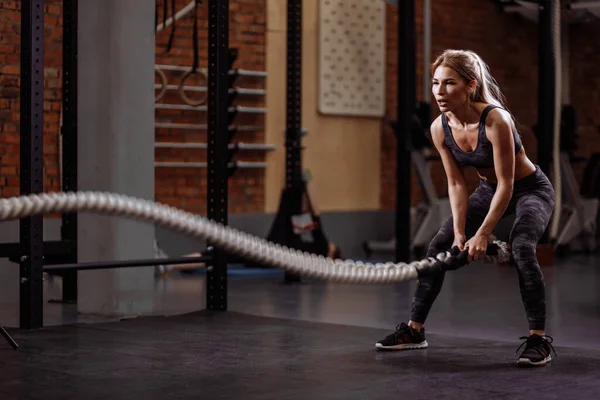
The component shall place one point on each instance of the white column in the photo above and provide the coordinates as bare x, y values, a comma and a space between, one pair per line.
116, 148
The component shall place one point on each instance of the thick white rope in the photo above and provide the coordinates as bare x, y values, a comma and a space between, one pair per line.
224, 237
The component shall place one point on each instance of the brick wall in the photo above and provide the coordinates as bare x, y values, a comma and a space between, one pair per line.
10, 20
185, 188
505, 41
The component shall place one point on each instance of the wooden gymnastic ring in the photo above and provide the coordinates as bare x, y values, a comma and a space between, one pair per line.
184, 97
163, 81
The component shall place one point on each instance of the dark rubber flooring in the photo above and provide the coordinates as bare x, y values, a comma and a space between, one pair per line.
237, 356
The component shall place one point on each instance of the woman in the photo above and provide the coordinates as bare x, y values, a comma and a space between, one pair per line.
476, 130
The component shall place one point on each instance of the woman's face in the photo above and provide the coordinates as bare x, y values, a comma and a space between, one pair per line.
449, 89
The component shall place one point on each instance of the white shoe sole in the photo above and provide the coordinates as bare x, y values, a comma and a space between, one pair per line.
528, 362
405, 346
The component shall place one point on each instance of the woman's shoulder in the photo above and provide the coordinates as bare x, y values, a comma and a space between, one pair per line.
436, 129
495, 114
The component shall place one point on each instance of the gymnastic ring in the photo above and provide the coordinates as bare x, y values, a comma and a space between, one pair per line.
163, 82
184, 97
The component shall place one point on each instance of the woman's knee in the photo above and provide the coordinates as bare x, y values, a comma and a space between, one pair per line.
524, 253
523, 248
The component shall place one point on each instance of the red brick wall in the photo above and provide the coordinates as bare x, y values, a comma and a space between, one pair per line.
10, 20
506, 42
185, 188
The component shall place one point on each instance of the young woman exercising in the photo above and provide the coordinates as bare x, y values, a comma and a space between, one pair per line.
476, 130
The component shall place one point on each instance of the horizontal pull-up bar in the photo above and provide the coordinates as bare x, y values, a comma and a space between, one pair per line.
239, 109
251, 92
231, 146
238, 71
87, 266
172, 125
236, 164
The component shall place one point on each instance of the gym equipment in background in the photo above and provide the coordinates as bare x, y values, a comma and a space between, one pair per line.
432, 212
579, 210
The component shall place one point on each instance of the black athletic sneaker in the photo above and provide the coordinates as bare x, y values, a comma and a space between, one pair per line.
537, 350
404, 338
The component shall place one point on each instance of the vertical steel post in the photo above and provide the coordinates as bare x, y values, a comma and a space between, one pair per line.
406, 107
293, 133
32, 160
69, 141
218, 140
545, 86
293, 171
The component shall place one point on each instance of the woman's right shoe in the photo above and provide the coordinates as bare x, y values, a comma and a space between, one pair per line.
537, 350
404, 338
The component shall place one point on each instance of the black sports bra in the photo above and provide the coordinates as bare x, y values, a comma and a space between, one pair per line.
483, 154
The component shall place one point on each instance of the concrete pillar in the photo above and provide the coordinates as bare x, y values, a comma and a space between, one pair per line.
116, 148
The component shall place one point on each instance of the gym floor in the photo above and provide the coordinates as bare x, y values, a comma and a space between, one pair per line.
312, 340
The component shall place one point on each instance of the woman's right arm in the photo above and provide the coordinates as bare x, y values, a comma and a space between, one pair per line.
457, 184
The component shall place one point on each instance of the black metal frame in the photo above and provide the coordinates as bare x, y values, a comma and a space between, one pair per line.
406, 102
32, 160
293, 133
61, 257
218, 140
68, 231
546, 89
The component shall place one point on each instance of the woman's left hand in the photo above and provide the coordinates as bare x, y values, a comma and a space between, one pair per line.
477, 247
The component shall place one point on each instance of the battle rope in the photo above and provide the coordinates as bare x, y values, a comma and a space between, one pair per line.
237, 242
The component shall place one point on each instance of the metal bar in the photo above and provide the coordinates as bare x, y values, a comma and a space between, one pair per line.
293, 135
218, 128
545, 87
87, 266
406, 100
247, 72
8, 338
294, 96
239, 109
244, 91
68, 230
249, 164
178, 15
254, 146
583, 5
231, 146
249, 92
235, 164
239, 71
172, 125
32, 156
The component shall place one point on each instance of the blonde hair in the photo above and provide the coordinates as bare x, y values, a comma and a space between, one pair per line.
471, 67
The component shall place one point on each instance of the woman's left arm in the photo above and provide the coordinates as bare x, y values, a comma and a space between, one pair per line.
499, 133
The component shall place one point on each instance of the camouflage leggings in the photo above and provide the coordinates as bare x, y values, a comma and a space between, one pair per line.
533, 203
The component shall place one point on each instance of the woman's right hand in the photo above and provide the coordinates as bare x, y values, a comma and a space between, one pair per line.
459, 241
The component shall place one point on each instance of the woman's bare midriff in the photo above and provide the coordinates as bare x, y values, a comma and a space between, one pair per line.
523, 168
